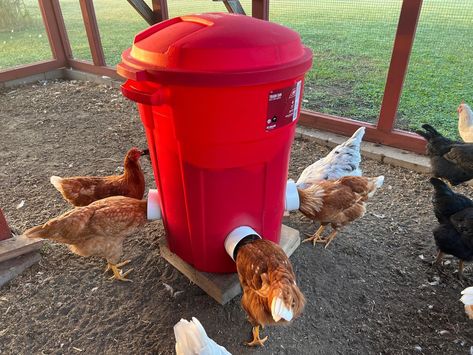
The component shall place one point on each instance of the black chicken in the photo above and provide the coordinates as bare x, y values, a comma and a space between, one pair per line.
451, 239
454, 235
451, 160
446, 202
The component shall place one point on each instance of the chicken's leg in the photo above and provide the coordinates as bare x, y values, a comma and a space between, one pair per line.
257, 341
460, 270
316, 236
117, 273
438, 259
329, 238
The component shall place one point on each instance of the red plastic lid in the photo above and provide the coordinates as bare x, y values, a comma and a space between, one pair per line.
215, 49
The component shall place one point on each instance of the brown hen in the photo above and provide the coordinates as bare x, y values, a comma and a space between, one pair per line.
82, 190
270, 292
336, 202
97, 229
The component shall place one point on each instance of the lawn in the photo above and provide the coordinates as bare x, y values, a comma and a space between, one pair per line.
352, 43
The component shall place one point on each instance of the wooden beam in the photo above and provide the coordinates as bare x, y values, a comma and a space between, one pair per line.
160, 9
233, 6
61, 26
403, 42
23, 71
89, 67
55, 30
144, 10
341, 125
92, 30
260, 9
18, 245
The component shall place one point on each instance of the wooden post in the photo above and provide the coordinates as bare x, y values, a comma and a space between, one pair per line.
92, 30
56, 31
403, 42
160, 9
234, 7
144, 10
260, 9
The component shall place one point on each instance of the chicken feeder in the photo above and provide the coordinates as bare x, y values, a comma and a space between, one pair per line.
219, 96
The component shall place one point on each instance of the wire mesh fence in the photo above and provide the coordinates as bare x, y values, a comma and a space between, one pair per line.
352, 43
23, 38
439, 75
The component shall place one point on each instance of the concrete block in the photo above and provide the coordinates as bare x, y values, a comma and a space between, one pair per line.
54, 74
72, 74
27, 80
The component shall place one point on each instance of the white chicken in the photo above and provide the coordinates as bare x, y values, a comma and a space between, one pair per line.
467, 300
465, 122
343, 160
191, 339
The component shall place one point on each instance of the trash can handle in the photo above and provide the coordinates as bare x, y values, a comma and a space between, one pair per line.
130, 91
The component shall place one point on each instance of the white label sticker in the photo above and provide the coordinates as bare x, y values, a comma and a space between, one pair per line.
296, 101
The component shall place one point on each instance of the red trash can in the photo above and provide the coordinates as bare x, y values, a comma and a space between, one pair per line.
219, 96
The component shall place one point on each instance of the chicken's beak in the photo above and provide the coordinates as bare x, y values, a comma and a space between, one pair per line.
145, 152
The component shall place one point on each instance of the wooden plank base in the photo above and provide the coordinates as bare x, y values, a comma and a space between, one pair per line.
11, 268
18, 245
224, 287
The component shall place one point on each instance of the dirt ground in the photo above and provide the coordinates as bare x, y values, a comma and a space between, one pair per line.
368, 293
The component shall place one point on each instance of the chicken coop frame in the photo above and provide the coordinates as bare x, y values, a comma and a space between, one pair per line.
382, 132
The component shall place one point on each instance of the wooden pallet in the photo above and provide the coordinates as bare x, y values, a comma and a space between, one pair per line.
16, 255
224, 287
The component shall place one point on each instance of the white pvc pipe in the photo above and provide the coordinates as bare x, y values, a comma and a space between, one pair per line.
154, 209
235, 236
292, 196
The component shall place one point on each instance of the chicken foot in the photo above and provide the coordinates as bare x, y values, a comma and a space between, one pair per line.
460, 270
117, 272
257, 341
438, 259
316, 236
329, 238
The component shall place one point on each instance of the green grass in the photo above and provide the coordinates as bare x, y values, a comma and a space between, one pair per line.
352, 43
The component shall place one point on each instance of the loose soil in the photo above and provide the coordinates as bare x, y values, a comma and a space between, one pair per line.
368, 293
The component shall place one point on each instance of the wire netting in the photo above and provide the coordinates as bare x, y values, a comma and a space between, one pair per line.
352, 43
440, 72
23, 38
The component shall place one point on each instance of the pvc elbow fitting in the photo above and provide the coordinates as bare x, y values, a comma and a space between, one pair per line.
236, 236
154, 209
292, 196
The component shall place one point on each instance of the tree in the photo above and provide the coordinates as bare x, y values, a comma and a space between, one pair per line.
15, 15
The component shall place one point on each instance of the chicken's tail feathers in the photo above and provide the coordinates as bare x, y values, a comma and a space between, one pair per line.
374, 184
379, 181
355, 140
358, 135
440, 185
429, 132
280, 311
311, 198
191, 338
56, 181
467, 299
430, 129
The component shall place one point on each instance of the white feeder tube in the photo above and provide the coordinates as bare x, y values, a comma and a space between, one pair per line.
154, 209
292, 202
236, 236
